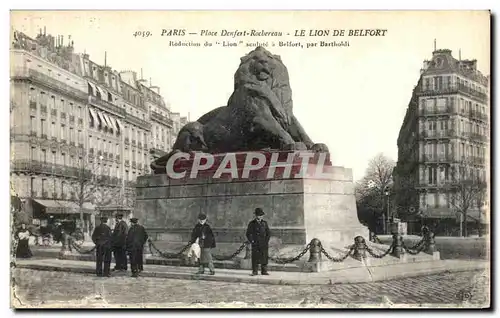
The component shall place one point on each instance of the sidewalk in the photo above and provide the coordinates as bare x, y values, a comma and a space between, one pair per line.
341, 276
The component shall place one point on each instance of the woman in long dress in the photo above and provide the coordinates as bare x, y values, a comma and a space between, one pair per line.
206, 240
23, 236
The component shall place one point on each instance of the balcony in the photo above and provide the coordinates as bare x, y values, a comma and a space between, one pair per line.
44, 136
454, 89
72, 119
38, 167
72, 143
478, 137
54, 195
80, 121
91, 150
478, 115
45, 195
127, 141
53, 112
478, 160
133, 143
63, 141
53, 138
134, 165
138, 122
32, 133
436, 159
117, 159
437, 134
435, 111
43, 109
32, 105
162, 119
127, 163
80, 145
107, 106
139, 145
47, 81
63, 115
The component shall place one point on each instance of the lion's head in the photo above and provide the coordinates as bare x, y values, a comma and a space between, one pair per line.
260, 66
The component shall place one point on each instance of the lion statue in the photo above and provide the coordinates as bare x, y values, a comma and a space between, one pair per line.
258, 115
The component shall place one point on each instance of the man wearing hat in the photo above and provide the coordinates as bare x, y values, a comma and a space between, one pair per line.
102, 240
119, 243
206, 239
136, 238
258, 234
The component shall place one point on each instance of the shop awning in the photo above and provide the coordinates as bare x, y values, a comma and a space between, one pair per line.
112, 122
58, 207
94, 116
103, 92
103, 121
108, 120
120, 126
94, 88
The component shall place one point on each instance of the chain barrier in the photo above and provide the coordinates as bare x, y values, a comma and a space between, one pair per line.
337, 259
166, 254
409, 250
238, 251
376, 239
416, 246
79, 249
292, 259
372, 253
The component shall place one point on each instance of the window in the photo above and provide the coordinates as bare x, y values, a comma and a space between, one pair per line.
63, 133
427, 84
90, 90
33, 124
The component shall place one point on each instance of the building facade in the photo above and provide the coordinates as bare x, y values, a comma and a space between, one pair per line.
443, 146
81, 133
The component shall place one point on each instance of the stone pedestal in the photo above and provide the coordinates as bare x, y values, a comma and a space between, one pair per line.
298, 208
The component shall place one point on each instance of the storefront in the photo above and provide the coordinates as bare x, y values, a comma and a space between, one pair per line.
47, 212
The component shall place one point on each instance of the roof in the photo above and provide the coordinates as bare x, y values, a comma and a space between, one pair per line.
443, 62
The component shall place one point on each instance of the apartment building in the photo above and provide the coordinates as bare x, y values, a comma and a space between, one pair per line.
443, 145
76, 122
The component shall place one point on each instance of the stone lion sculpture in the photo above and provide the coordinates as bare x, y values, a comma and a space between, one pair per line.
258, 115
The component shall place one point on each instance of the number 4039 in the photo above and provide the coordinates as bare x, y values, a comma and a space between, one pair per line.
143, 34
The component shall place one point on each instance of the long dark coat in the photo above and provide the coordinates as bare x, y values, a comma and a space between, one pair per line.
258, 234
119, 238
102, 235
205, 235
136, 237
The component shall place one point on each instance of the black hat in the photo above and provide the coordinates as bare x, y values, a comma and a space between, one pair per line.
119, 215
134, 220
104, 219
202, 216
259, 212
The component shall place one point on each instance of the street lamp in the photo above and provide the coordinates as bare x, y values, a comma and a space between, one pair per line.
384, 217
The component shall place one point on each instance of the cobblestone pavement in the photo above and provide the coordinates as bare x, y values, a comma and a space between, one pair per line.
44, 288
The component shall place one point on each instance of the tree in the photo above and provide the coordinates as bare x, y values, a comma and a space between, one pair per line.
93, 184
373, 191
468, 192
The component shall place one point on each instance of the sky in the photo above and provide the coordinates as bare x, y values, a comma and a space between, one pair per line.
351, 98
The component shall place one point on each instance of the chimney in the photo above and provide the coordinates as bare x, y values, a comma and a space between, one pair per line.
44, 30
62, 40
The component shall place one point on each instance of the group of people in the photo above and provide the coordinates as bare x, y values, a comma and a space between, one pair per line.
123, 241
258, 235
120, 242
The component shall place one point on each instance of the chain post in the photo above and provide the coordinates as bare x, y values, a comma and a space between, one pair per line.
430, 243
315, 250
397, 249
65, 248
359, 248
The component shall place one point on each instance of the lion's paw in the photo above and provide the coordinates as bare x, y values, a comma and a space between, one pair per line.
295, 146
320, 148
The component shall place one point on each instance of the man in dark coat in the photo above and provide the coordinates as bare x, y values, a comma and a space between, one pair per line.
258, 234
102, 240
136, 238
119, 243
206, 239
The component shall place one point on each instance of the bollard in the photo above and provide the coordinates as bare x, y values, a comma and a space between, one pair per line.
65, 248
430, 243
315, 250
397, 248
359, 248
